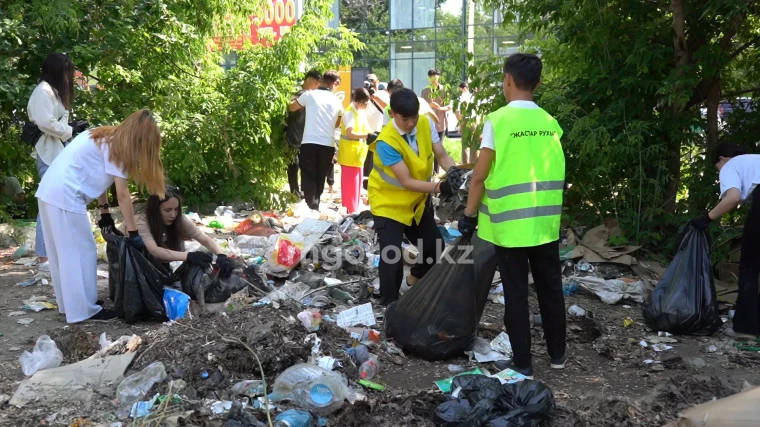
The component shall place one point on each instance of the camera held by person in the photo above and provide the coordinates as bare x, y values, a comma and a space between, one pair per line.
370, 88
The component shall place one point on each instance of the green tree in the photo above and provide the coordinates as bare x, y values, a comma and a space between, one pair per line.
628, 81
222, 132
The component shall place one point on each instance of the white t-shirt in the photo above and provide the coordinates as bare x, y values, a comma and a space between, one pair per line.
322, 111
487, 138
375, 118
79, 175
742, 173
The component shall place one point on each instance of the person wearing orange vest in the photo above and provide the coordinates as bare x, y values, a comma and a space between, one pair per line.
352, 150
399, 192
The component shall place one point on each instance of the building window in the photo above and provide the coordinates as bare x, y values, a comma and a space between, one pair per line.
229, 60
407, 14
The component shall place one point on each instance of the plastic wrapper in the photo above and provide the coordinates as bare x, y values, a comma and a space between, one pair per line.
285, 252
438, 317
176, 303
193, 278
44, 356
684, 300
136, 282
135, 387
484, 401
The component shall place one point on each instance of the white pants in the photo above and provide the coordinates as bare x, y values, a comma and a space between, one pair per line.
73, 258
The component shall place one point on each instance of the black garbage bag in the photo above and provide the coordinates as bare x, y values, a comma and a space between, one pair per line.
438, 317
215, 289
684, 301
484, 401
525, 404
136, 282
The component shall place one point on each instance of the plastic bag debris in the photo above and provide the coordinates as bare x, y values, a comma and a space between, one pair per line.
445, 384
136, 283
312, 388
284, 253
483, 401
310, 319
136, 386
613, 290
45, 355
176, 303
250, 245
684, 300
438, 317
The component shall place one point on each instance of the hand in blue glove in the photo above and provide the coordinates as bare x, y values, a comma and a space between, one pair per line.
467, 225
225, 266
135, 240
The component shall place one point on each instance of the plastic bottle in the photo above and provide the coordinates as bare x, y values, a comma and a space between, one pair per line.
369, 368
340, 295
293, 418
312, 388
136, 387
346, 224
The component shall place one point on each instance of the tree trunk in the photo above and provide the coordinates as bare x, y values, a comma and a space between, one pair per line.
713, 102
678, 7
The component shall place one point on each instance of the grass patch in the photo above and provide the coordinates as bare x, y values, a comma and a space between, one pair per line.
453, 146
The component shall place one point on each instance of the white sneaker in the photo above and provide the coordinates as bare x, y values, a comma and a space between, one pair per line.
44, 266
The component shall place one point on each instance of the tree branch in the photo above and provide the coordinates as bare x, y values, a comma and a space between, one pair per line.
744, 47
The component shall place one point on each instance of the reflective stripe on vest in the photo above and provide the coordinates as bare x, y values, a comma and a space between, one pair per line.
523, 213
387, 178
528, 187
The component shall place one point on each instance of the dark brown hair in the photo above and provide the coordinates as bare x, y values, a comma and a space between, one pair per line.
174, 237
330, 77
58, 72
360, 95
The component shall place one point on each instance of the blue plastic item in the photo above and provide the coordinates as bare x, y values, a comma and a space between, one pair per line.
293, 418
176, 303
569, 288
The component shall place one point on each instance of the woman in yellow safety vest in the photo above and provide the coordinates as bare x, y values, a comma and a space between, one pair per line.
399, 191
352, 150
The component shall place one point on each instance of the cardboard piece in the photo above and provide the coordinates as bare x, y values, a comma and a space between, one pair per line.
726, 292
593, 248
67, 380
739, 410
312, 230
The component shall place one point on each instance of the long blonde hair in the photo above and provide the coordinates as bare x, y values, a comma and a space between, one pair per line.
135, 146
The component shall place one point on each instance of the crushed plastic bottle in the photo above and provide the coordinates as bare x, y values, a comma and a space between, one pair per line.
311, 388
340, 295
369, 368
251, 388
135, 387
293, 418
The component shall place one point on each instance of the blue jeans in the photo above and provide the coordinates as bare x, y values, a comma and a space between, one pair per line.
39, 242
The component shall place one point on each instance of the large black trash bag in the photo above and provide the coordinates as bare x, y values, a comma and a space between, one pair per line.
483, 401
136, 283
438, 317
475, 404
215, 289
527, 404
684, 301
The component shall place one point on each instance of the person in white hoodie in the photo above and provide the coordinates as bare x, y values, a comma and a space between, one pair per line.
49, 108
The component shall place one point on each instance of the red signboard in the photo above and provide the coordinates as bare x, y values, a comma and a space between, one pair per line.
278, 17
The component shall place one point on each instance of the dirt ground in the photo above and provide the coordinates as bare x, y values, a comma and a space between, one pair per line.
606, 382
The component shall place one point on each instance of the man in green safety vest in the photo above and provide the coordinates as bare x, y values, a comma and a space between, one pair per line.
515, 200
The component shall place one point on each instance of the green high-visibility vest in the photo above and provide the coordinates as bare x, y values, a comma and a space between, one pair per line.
522, 203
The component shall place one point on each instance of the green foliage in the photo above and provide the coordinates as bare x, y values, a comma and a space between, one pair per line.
635, 137
222, 132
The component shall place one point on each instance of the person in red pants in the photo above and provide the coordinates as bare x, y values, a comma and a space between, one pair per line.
352, 150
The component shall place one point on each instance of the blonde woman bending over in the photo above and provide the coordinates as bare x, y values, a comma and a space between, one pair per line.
90, 164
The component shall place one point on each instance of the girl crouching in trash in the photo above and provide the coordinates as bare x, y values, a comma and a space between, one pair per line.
81, 173
164, 228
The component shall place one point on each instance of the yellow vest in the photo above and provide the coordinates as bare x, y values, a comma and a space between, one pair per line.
522, 204
353, 152
387, 197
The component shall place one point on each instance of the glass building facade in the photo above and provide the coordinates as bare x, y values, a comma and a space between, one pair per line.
406, 38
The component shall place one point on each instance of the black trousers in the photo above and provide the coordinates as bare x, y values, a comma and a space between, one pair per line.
368, 163
424, 235
331, 175
746, 318
293, 175
315, 161
547, 275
